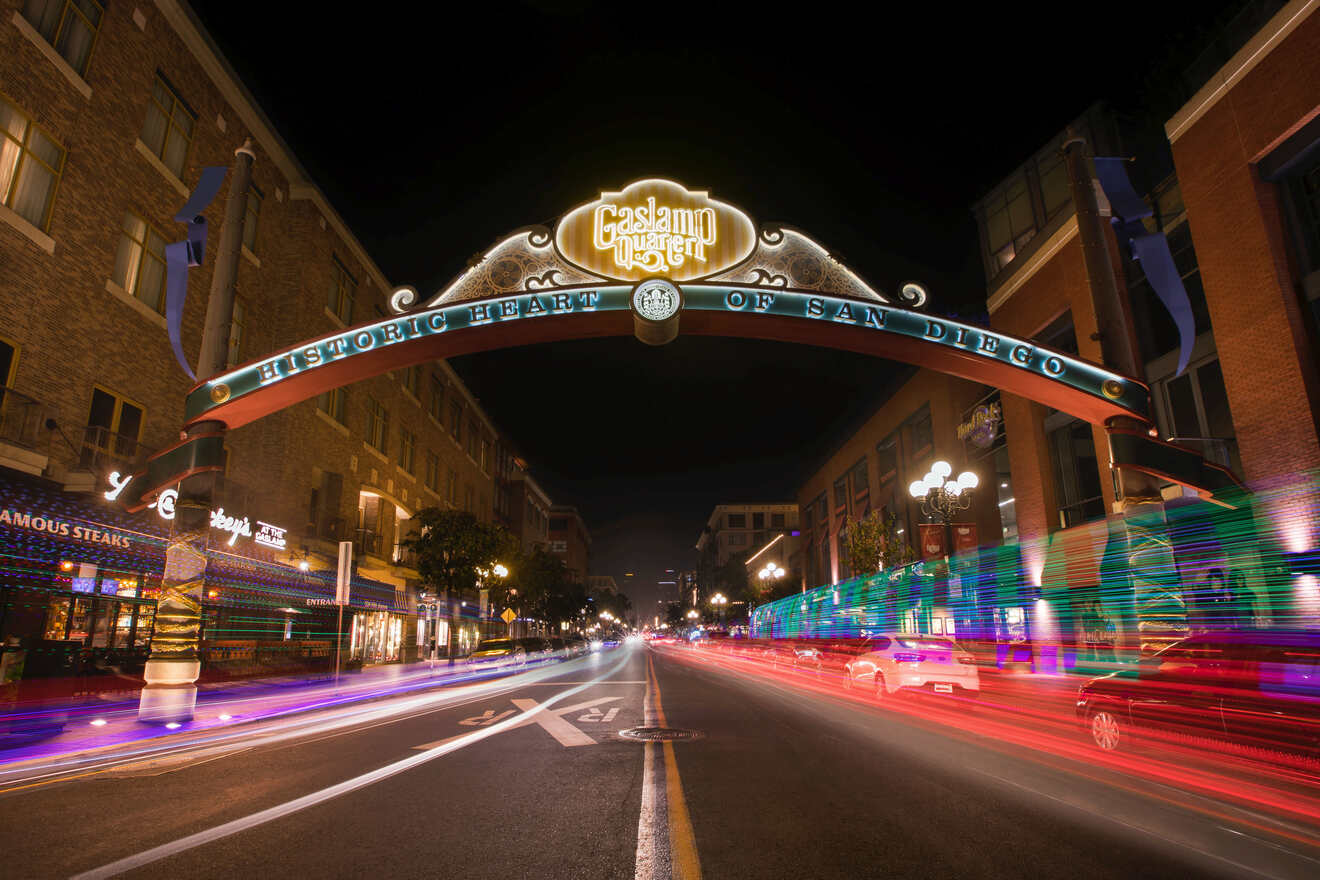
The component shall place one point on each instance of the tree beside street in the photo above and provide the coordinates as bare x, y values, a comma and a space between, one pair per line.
873, 544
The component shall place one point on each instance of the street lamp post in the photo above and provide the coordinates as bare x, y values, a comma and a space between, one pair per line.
719, 600
941, 498
772, 572
483, 592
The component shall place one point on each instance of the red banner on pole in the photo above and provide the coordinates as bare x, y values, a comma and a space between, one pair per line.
932, 541
964, 537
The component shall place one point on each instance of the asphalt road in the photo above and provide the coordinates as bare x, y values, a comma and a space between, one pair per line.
528, 776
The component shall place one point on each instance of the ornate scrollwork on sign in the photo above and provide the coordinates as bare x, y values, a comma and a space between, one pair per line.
524, 261
621, 234
912, 295
785, 258
403, 299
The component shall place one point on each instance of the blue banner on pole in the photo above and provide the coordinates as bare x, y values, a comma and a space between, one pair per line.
1151, 249
189, 252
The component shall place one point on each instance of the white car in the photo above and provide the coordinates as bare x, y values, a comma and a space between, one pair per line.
892, 662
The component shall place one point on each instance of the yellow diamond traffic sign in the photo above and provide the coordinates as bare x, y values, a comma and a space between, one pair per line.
508, 615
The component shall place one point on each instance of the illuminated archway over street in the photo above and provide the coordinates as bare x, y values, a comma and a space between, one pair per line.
645, 260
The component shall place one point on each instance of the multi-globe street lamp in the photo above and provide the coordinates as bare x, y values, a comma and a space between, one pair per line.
772, 572
719, 600
942, 498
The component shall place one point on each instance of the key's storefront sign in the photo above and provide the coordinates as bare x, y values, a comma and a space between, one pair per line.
655, 227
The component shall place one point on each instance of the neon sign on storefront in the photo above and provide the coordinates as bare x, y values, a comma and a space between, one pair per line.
264, 533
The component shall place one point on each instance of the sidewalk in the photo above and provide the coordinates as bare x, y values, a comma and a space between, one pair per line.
82, 726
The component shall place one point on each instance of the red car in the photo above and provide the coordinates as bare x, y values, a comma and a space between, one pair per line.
1256, 687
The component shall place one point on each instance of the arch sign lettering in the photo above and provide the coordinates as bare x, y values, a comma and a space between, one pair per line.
651, 259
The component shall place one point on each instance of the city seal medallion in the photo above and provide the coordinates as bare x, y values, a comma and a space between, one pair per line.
655, 305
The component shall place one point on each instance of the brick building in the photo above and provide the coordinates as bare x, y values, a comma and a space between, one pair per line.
1233, 183
530, 513
109, 116
570, 540
871, 470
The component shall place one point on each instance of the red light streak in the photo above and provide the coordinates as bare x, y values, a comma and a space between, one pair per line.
1283, 788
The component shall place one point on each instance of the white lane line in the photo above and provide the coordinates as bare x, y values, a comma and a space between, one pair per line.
653, 862
192, 841
646, 823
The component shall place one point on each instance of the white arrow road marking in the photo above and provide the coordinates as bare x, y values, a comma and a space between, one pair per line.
594, 715
487, 717
553, 722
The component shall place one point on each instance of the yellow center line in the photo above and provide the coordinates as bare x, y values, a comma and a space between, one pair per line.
53, 781
682, 841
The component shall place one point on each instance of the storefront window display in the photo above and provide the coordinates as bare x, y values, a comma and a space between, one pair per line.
100, 608
376, 636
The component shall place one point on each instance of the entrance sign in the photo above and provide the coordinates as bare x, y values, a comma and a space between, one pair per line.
640, 259
869, 326
655, 227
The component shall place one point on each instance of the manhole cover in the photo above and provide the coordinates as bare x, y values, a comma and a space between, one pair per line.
659, 734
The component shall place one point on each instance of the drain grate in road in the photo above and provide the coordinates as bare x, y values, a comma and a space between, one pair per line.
659, 734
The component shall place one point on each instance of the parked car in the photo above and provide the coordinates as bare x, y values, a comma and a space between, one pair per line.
1255, 687
537, 649
577, 646
559, 648
793, 655
892, 662
497, 652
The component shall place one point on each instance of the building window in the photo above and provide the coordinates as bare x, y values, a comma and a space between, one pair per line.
237, 326
1076, 473
1009, 221
758, 520
1054, 190
140, 262
114, 426
254, 199
437, 409
485, 455
472, 439
342, 285
737, 520
432, 471
886, 459
8, 360
776, 520
168, 129
469, 499
452, 494
1196, 413
68, 25
378, 424
412, 381
407, 445
332, 404
737, 539
456, 418
923, 435
30, 167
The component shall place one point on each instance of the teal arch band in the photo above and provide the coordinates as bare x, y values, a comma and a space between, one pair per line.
1019, 366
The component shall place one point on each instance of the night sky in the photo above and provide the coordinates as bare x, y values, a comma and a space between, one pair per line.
434, 129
